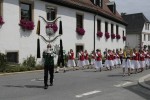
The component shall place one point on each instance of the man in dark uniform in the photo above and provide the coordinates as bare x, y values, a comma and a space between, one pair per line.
48, 56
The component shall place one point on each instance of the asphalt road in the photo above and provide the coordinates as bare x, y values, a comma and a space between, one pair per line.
74, 85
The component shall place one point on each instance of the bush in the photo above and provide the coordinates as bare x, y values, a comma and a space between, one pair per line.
29, 62
3, 61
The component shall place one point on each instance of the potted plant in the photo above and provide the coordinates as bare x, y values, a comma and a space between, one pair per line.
99, 34
80, 31
1, 20
26, 25
113, 36
118, 36
107, 35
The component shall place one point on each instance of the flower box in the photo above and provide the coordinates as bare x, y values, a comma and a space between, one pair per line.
113, 36
124, 38
27, 25
80, 31
99, 34
53, 26
1, 20
107, 35
118, 36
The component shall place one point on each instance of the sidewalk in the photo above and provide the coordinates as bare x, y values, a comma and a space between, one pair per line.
145, 81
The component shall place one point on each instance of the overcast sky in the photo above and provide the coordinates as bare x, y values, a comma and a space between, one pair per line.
134, 6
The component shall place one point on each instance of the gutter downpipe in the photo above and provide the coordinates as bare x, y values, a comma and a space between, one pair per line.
94, 31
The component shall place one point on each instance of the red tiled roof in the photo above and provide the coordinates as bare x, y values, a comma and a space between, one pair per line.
87, 5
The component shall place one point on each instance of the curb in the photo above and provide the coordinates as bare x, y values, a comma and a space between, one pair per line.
142, 83
12, 73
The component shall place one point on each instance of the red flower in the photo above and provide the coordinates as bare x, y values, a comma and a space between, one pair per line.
113, 36
53, 26
99, 34
80, 31
29, 25
124, 38
118, 36
107, 35
1, 20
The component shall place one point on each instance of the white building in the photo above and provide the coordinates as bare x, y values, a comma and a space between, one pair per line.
138, 30
91, 15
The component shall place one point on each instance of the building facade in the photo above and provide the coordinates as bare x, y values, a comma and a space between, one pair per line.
138, 30
92, 16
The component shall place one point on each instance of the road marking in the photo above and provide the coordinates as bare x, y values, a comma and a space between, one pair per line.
123, 84
88, 93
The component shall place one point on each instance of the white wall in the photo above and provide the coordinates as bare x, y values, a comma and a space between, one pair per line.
133, 40
146, 32
12, 38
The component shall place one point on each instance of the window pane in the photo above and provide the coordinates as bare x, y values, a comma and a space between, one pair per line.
116, 29
106, 27
0, 8
12, 57
51, 13
98, 25
80, 21
112, 28
26, 11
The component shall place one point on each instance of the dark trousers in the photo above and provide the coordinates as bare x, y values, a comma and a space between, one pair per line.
50, 70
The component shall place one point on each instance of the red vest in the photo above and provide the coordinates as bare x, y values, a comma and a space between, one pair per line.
142, 58
136, 57
86, 56
82, 57
98, 56
71, 56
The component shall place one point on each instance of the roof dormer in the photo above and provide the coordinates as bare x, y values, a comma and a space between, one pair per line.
112, 6
99, 3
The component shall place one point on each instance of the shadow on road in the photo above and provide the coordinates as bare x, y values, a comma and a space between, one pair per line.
24, 86
145, 93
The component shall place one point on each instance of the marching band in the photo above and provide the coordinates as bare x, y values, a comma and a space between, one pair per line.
129, 59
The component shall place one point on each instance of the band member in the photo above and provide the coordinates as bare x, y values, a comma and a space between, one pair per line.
86, 58
71, 62
142, 59
109, 57
128, 62
147, 56
114, 58
121, 55
48, 56
124, 62
136, 62
98, 60
81, 62
92, 58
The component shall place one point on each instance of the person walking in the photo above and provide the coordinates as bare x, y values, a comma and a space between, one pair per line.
48, 56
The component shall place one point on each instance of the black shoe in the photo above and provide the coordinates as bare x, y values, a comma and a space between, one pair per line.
46, 87
51, 84
57, 72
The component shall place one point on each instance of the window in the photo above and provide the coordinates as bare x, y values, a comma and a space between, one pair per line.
99, 3
79, 21
123, 33
93, 1
117, 29
12, 57
26, 11
144, 37
98, 25
51, 13
0, 8
106, 26
112, 28
149, 37
148, 26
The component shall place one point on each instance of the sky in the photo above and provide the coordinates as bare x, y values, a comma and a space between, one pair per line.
133, 6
